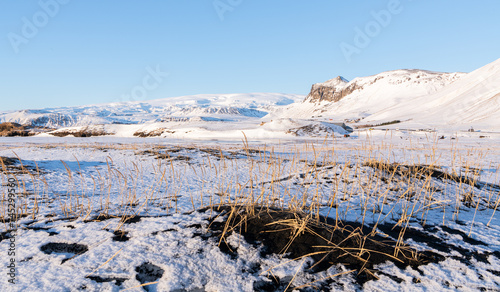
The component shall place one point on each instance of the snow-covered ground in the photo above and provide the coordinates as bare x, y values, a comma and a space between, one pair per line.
110, 213
260, 192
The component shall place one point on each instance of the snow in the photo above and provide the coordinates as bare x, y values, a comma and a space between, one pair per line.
167, 235
336, 83
296, 151
474, 100
374, 93
233, 107
417, 99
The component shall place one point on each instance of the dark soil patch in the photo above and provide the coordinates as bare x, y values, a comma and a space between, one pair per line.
464, 236
225, 248
46, 229
120, 235
103, 217
272, 284
147, 273
62, 247
298, 235
8, 161
394, 278
132, 219
11, 165
181, 158
427, 237
15, 166
5, 235
163, 231
99, 279
197, 226
99, 218
26, 259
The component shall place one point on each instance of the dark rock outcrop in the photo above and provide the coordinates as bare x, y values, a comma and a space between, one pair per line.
331, 90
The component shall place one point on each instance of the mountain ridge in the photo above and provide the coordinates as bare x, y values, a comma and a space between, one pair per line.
416, 98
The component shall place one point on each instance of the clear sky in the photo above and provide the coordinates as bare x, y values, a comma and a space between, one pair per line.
75, 52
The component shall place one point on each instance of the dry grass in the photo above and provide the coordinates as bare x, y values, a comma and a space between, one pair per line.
13, 129
280, 193
153, 133
84, 132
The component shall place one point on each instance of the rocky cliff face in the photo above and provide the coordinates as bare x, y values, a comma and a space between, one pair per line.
421, 81
331, 90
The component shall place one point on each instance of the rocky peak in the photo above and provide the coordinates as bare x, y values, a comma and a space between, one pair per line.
337, 81
330, 90
338, 88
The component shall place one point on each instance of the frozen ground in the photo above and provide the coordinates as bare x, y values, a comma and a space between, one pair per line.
110, 214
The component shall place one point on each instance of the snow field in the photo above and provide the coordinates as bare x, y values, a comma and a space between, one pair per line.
89, 193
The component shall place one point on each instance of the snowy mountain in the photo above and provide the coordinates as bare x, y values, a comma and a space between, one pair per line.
339, 99
411, 99
225, 107
472, 101
197, 116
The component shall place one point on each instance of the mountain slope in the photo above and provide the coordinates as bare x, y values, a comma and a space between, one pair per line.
227, 107
364, 96
199, 116
474, 100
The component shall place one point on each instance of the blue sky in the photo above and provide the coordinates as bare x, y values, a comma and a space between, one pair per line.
73, 52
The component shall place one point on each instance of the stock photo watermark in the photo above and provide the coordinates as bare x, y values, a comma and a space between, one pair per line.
223, 6
363, 36
32, 25
12, 229
151, 81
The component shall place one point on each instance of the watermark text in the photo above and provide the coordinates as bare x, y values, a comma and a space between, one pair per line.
12, 228
150, 82
32, 25
223, 6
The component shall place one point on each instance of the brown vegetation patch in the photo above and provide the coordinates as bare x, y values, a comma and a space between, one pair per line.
424, 171
8, 161
327, 242
378, 125
13, 165
13, 129
166, 155
153, 133
83, 133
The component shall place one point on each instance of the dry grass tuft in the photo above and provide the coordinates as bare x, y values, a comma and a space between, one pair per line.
297, 235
